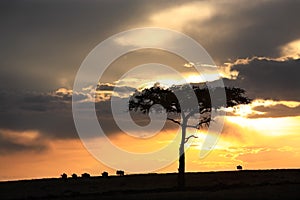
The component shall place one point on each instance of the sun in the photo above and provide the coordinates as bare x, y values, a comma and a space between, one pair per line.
201, 78
194, 78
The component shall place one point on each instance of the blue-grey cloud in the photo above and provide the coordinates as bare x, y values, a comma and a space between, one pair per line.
12, 143
241, 29
269, 79
278, 110
44, 42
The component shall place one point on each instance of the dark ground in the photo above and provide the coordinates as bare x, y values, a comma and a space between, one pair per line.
254, 184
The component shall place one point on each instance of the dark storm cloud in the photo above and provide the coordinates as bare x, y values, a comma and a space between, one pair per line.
240, 29
279, 110
47, 113
42, 44
10, 144
45, 42
111, 87
269, 79
51, 113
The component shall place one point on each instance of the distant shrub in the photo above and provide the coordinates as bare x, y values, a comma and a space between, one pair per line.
85, 175
120, 172
239, 167
105, 174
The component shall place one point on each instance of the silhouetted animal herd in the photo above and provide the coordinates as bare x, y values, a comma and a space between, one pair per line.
87, 175
118, 172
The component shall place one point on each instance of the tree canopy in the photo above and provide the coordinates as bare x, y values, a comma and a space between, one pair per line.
167, 98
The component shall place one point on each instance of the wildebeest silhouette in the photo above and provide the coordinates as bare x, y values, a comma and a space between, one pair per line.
64, 176
105, 174
239, 167
74, 176
120, 172
85, 175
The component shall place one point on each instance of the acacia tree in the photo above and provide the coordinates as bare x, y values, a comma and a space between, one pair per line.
180, 110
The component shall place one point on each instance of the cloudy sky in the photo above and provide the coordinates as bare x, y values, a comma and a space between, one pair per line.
255, 45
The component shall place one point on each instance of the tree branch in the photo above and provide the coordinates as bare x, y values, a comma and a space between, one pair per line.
204, 121
187, 139
204, 110
175, 121
192, 126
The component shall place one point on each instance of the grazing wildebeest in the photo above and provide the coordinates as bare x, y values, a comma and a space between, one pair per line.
64, 176
120, 172
105, 174
74, 176
85, 175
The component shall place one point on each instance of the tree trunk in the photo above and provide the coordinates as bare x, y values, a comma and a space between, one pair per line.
181, 169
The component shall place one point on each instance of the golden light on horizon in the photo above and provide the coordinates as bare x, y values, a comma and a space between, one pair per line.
269, 126
247, 142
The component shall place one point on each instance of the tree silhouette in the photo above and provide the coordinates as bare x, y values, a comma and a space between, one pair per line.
179, 110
